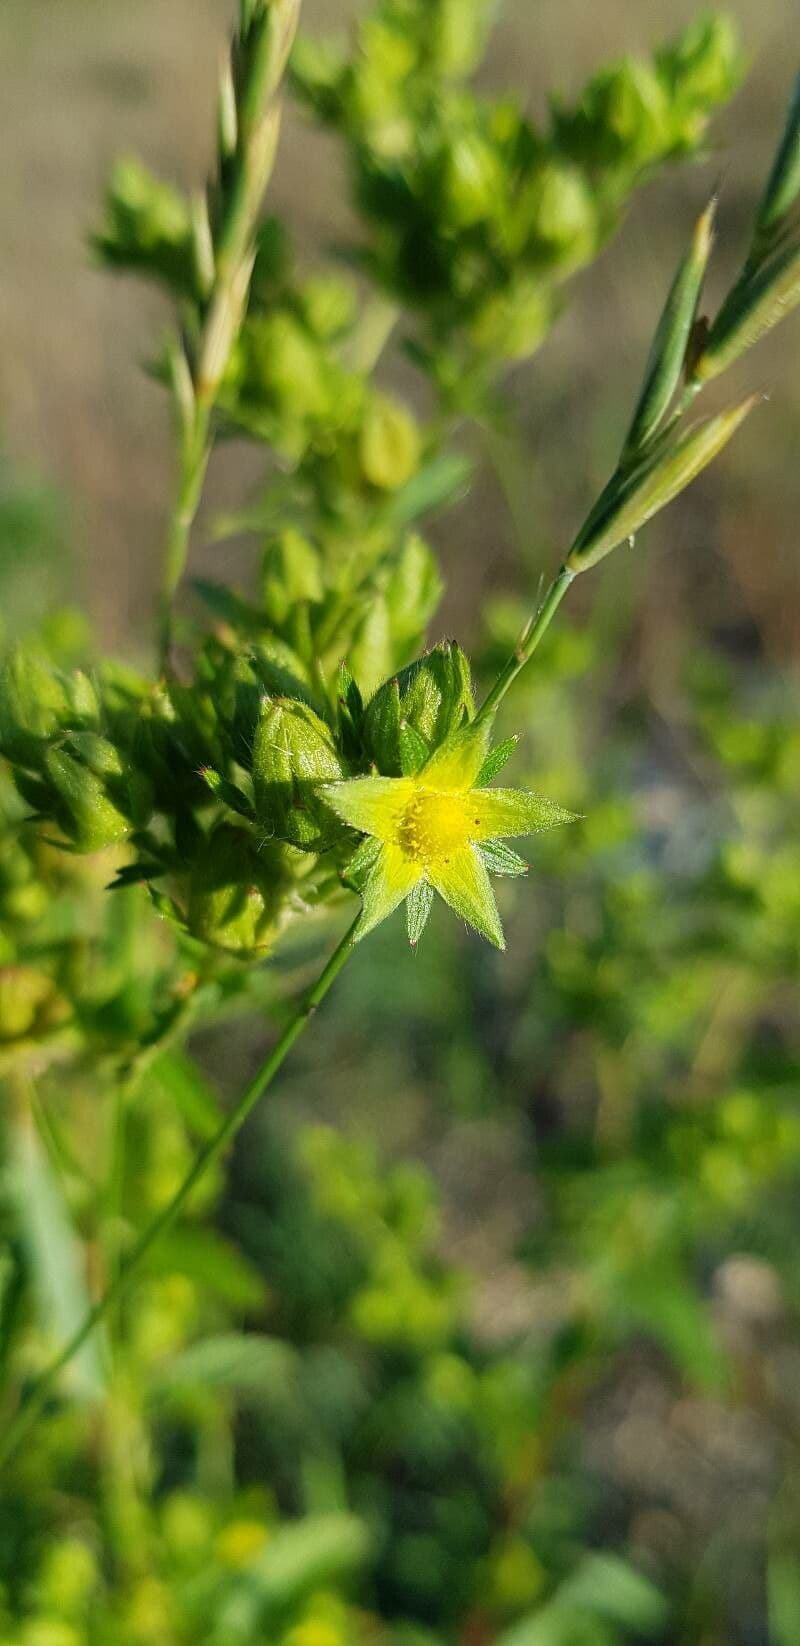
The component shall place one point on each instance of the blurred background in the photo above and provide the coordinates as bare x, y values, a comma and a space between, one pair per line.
557, 1358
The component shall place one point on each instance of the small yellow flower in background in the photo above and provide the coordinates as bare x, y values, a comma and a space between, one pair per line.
439, 831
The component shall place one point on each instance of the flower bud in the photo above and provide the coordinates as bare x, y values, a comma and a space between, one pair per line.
456, 34
83, 808
415, 711
293, 753
703, 66
33, 706
236, 891
511, 323
469, 182
390, 445
559, 211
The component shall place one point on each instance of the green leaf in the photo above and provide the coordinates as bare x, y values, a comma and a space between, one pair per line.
630, 500
783, 183
668, 353
318, 1552
611, 1588
253, 1367
182, 1083
757, 303
212, 1262
54, 1256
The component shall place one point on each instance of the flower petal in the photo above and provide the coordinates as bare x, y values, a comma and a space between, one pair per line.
457, 763
500, 813
462, 881
374, 805
392, 878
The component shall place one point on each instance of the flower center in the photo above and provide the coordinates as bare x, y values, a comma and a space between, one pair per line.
433, 825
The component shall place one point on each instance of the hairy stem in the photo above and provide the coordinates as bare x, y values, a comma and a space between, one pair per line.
37, 1397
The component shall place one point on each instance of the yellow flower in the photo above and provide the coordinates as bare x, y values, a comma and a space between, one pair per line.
438, 831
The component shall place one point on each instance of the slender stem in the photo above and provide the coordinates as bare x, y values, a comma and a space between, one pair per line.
527, 643
194, 461
29, 1412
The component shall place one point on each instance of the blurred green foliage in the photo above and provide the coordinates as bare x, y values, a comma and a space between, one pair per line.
507, 1398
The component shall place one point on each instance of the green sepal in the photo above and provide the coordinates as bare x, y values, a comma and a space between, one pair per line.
83, 809
229, 793
418, 907
134, 874
495, 761
414, 751
357, 868
500, 859
97, 753
382, 728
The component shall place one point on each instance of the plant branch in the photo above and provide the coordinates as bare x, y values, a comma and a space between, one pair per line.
529, 639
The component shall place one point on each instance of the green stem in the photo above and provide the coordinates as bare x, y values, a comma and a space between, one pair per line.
195, 459
527, 643
30, 1410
